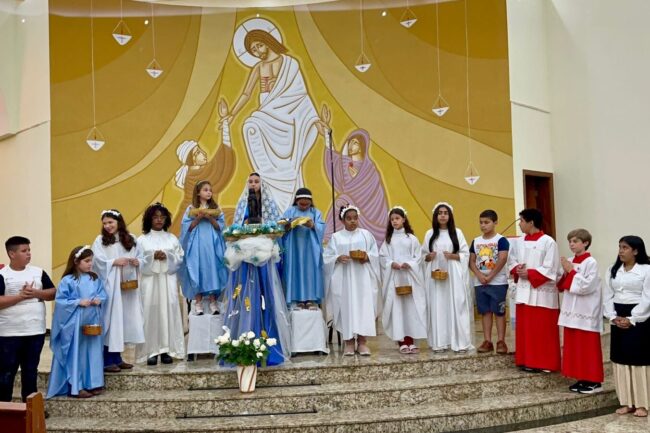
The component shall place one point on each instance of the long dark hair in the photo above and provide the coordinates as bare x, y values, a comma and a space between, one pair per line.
123, 234
636, 243
390, 229
73, 260
147, 218
196, 201
451, 227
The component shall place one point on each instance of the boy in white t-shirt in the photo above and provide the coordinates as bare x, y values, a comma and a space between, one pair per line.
23, 290
487, 259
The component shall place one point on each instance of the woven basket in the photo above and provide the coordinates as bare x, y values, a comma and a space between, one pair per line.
357, 255
129, 284
439, 275
403, 290
212, 212
91, 330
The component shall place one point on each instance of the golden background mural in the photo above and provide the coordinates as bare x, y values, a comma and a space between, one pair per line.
418, 158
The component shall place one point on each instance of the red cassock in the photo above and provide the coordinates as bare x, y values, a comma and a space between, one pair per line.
582, 356
537, 335
537, 338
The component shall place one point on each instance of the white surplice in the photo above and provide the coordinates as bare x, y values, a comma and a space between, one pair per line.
163, 327
352, 289
403, 315
449, 301
582, 305
123, 315
541, 255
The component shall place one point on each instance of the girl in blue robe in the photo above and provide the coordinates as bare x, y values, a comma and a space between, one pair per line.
203, 271
302, 267
254, 295
78, 364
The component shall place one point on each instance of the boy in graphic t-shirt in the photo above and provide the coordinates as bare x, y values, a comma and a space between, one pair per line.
488, 257
23, 290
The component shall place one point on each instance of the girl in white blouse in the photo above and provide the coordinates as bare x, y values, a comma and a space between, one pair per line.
627, 306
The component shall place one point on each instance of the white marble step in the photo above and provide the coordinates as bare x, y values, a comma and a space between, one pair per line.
475, 413
326, 397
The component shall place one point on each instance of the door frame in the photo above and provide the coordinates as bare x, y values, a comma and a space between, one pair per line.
549, 176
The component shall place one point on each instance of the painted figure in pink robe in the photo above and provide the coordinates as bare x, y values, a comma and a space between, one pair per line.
357, 180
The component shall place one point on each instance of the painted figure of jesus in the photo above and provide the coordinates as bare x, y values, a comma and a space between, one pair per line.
282, 130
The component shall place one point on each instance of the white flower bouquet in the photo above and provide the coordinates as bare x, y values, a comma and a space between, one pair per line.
245, 350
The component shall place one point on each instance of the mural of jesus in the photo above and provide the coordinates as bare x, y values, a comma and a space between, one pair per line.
282, 130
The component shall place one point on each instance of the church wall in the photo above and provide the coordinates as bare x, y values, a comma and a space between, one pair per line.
25, 147
420, 158
25, 201
579, 67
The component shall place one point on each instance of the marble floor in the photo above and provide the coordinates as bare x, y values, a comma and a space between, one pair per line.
606, 424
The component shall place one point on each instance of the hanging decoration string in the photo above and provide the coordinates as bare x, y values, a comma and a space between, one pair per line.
438, 51
92, 59
153, 32
361, 24
469, 127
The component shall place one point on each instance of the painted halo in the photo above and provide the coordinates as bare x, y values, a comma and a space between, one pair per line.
240, 34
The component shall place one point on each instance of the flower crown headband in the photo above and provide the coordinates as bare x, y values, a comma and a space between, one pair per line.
111, 212
442, 203
398, 207
78, 253
349, 208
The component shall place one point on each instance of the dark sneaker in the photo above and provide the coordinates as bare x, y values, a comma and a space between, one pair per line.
166, 359
486, 347
152, 360
576, 386
531, 370
590, 388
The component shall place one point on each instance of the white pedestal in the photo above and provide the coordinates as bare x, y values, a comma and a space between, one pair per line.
203, 331
308, 331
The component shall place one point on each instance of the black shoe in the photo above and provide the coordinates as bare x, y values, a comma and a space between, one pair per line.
590, 388
166, 359
531, 370
576, 386
191, 357
153, 360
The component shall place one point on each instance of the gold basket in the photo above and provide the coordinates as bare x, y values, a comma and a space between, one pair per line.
212, 212
299, 222
439, 275
403, 290
129, 284
357, 255
91, 330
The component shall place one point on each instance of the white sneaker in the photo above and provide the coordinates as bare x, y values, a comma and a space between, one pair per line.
198, 308
214, 307
590, 388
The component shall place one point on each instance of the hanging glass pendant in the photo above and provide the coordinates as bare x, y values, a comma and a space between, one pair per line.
408, 18
153, 69
440, 106
363, 63
121, 33
471, 174
95, 139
